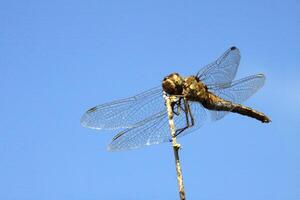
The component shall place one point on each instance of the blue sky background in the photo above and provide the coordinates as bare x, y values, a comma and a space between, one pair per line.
58, 58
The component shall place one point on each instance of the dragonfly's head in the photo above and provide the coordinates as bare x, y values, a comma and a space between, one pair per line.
173, 84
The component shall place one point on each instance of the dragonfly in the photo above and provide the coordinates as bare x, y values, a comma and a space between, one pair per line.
212, 92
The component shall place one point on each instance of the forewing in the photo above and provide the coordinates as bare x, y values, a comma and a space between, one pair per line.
237, 92
156, 130
223, 70
125, 113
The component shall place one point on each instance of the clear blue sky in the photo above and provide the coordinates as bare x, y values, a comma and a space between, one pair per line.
58, 58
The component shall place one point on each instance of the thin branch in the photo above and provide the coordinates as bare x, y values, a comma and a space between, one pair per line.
176, 146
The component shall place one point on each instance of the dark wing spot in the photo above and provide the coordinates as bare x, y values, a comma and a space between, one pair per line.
233, 48
92, 110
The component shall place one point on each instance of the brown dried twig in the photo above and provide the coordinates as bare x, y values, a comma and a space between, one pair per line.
176, 146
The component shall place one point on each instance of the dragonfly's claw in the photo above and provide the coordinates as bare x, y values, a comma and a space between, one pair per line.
177, 146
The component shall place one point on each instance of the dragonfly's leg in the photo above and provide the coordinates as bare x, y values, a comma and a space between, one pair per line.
191, 114
188, 116
179, 106
186, 110
173, 104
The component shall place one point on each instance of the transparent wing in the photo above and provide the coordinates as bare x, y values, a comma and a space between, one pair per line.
125, 113
237, 92
223, 70
156, 130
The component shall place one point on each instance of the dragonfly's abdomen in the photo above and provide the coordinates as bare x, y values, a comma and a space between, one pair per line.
243, 110
214, 102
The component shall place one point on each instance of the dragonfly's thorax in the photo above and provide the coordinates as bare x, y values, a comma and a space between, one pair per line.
190, 87
194, 89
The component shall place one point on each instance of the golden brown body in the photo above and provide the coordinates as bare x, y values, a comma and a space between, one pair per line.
192, 89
